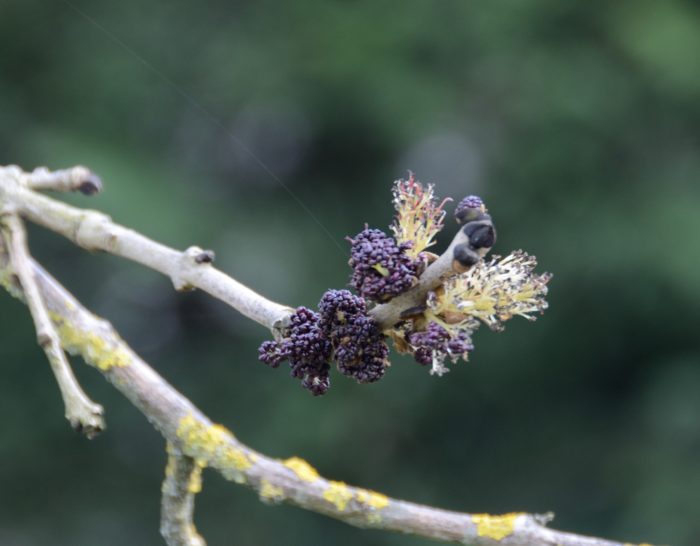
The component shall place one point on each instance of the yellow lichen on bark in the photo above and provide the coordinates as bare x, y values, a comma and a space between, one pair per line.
269, 492
374, 501
211, 444
338, 494
96, 351
302, 469
495, 527
170, 466
194, 486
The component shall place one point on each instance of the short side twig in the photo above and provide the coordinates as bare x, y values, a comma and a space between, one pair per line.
96, 231
82, 413
189, 269
77, 178
183, 480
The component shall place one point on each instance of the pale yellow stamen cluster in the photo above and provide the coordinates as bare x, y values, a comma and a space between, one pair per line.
494, 291
418, 215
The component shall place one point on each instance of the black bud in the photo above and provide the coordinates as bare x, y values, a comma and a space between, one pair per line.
481, 234
465, 255
205, 257
91, 185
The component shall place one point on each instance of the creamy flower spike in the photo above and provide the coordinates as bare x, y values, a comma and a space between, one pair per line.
493, 292
419, 217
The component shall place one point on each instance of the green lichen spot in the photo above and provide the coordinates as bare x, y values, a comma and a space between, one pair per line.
495, 527
338, 494
302, 469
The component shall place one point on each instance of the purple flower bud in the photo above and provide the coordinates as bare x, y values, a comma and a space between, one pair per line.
360, 349
381, 268
306, 348
469, 208
317, 384
271, 353
436, 343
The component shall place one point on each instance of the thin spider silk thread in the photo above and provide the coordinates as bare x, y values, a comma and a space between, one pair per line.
208, 115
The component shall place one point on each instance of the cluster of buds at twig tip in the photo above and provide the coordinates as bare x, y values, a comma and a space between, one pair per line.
478, 228
340, 331
428, 305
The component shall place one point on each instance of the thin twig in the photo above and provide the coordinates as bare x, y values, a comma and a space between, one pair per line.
96, 231
192, 268
292, 480
183, 480
388, 314
82, 413
77, 178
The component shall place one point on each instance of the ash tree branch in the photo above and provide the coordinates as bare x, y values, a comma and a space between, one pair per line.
82, 413
192, 436
183, 480
93, 230
390, 313
192, 268
77, 178
293, 480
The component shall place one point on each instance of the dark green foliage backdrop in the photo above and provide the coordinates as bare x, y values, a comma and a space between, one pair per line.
577, 122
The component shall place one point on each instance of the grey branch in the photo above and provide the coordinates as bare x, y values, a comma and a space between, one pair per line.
194, 436
388, 314
78, 178
183, 480
82, 413
96, 231
293, 480
189, 269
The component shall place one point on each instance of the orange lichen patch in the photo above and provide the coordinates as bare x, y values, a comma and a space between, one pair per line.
302, 469
338, 494
269, 492
211, 444
495, 527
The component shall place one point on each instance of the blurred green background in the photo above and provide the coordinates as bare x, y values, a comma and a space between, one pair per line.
576, 121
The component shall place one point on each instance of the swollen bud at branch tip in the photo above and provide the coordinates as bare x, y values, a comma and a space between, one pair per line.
469, 208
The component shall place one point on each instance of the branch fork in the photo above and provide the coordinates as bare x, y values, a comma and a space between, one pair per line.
193, 440
83, 414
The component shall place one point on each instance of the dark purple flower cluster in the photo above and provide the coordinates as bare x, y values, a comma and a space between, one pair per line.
360, 349
306, 348
468, 207
381, 268
436, 342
